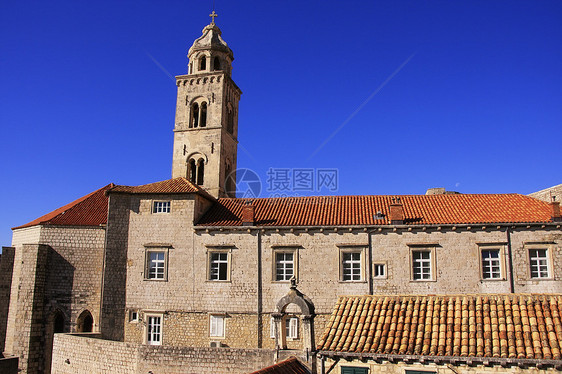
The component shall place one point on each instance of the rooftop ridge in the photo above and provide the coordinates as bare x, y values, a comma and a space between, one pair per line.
53, 215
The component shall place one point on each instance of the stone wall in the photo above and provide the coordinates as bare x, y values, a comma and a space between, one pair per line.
6, 270
26, 323
75, 354
115, 264
65, 279
76, 267
547, 193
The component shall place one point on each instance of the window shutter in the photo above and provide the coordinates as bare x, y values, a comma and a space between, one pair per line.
272, 328
213, 326
220, 326
294, 328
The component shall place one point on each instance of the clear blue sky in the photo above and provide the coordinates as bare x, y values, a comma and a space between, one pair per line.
477, 108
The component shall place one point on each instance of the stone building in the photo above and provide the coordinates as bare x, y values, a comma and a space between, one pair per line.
181, 276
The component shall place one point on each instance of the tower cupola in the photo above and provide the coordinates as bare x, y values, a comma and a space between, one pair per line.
210, 52
206, 129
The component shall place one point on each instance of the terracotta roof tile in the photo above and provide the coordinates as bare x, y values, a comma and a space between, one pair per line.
360, 210
176, 185
89, 210
290, 366
498, 326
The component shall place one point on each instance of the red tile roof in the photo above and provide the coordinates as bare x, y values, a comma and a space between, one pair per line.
89, 210
360, 210
176, 185
289, 366
498, 326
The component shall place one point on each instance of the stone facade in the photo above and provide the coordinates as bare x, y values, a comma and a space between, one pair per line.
104, 356
6, 269
548, 194
57, 272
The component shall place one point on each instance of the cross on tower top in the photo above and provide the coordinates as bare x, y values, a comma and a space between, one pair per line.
213, 15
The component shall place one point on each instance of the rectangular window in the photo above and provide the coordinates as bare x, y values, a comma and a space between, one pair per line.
421, 265
284, 266
218, 266
133, 316
354, 370
216, 326
161, 207
351, 266
538, 259
379, 270
491, 264
156, 264
292, 328
154, 330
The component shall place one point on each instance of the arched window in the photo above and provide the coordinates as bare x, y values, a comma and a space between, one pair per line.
230, 190
203, 120
230, 121
200, 171
192, 171
216, 64
58, 323
85, 322
203, 65
191, 68
194, 115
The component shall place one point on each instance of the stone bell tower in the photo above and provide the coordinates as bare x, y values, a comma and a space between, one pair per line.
206, 128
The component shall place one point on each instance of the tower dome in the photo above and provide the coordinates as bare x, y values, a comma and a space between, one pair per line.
210, 52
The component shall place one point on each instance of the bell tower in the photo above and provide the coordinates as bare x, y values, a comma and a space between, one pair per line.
206, 125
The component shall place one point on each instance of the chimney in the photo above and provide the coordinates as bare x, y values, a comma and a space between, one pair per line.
555, 211
396, 212
248, 214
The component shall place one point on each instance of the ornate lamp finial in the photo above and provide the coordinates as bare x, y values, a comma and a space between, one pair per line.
293, 283
213, 15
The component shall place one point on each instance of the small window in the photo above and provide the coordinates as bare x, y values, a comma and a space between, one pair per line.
284, 265
354, 370
351, 265
216, 64
379, 270
216, 326
154, 330
203, 120
421, 265
292, 328
161, 207
133, 316
491, 264
194, 116
218, 266
230, 121
200, 172
538, 259
203, 63
156, 264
